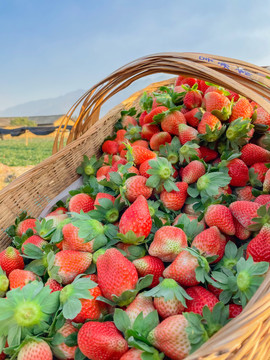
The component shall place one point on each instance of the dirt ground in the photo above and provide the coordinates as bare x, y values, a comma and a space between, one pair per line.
9, 173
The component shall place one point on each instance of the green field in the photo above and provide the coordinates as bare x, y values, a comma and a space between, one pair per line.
14, 152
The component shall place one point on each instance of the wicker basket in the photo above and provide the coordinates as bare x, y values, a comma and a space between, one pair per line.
245, 337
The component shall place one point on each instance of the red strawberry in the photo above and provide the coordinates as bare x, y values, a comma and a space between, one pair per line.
35, 240
11, 260
63, 351
238, 171
245, 193
92, 309
233, 96
192, 99
171, 122
110, 147
103, 196
262, 117
148, 130
140, 304
161, 138
187, 133
191, 119
202, 86
244, 211
149, 117
208, 154
71, 263
217, 89
188, 81
53, 285
259, 247
25, 225
120, 136
218, 104
234, 310
128, 120
59, 211
171, 338
182, 269
241, 232
266, 183
193, 171
80, 202
200, 298
101, 341
168, 242
72, 241
150, 265
20, 278
174, 200
212, 122
179, 80
142, 117
241, 109
144, 167
220, 216
142, 154
102, 172
35, 349
260, 169
261, 199
116, 274
210, 241
136, 218
132, 354
252, 154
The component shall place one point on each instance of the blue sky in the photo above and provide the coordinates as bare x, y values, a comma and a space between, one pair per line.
51, 47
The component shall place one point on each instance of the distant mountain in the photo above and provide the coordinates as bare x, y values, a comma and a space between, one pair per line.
52, 106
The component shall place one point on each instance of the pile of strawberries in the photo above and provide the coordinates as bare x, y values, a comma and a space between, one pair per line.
165, 243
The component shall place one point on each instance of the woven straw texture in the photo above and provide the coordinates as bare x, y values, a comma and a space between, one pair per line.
246, 337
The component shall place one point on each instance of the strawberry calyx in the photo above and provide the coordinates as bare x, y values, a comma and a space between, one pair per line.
107, 211
137, 333
71, 294
191, 227
161, 172
129, 295
240, 286
131, 112
197, 334
89, 167
253, 179
146, 102
213, 134
131, 238
168, 97
264, 141
220, 88
169, 289
4, 283
238, 130
262, 219
188, 152
171, 151
224, 113
217, 318
133, 132
12, 230
203, 268
27, 311
231, 256
208, 185
45, 228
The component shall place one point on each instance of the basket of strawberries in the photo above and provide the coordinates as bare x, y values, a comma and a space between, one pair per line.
147, 236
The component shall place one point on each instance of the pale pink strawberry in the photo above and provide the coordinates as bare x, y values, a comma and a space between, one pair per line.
63, 351
140, 304
187, 133
262, 199
245, 193
136, 186
220, 216
168, 242
132, 354
35, 349
266, 183
171, 338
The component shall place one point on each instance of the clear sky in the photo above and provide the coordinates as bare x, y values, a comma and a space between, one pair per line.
51, 47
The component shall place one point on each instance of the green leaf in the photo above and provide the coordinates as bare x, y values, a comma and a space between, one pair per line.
79, 355
71, 340
72, 308
121, 320
32, 251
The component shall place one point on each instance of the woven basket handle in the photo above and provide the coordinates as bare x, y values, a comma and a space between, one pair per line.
244, 78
